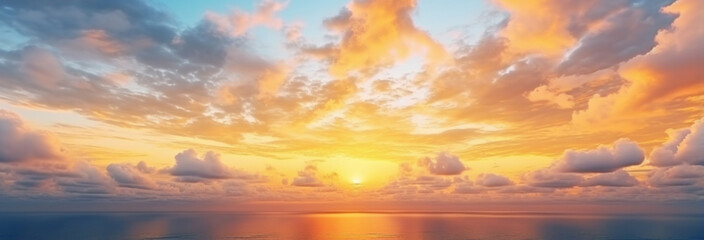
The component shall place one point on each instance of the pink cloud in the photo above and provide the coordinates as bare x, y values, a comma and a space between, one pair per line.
238, 22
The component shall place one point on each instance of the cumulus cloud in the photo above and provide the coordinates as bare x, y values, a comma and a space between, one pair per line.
443, 164
690, 150
549, 178
377, 33
464, 186
19, 142
623, 35
623, 153
493, 180
87, 179
664, 75
619, 178
683, 146
131, 176
681, 175
664, 156
307, 177
190, 168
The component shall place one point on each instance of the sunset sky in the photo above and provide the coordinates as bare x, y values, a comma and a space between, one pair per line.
287, 102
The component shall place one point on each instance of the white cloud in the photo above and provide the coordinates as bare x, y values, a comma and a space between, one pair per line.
619, 178
19, 142
603, 159
190, 168
493, 180
443, 164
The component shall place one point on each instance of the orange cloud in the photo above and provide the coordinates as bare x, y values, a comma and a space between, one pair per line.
670, 73
378, 33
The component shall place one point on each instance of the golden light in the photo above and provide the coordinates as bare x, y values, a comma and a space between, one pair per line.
356, 181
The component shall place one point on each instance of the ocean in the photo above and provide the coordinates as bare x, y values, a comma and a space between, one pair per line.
371, 225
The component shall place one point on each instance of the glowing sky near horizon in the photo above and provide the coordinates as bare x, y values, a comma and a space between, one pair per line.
381, 100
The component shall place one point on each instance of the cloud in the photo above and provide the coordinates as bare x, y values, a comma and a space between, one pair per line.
307, 177
190, 168
655, 81
623, 35
677, 176
493, 180
131, 176
684, 146
548, 178
20, 143
87, 179
443, 164
465, 186
542, 93
624, 153
619, 178
239, 22
41, 67
378, 33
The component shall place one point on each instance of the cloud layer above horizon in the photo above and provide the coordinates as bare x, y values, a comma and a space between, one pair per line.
371, 100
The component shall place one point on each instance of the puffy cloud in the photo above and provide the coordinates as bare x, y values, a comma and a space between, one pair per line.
690, 149
238, 22
623, 35
131, 176
684, 146
681, 175
190, 168
551, 26
443, 164
493, 180
87, 179
307, 177
377, 33
465, 186
619, 178
603, 159
548, 178
666, 75
19, 142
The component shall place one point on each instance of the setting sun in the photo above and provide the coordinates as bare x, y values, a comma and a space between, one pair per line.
356, 181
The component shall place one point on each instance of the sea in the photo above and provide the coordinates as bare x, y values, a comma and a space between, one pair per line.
347, 225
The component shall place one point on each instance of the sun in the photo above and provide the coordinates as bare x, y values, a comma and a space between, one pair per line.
356, 181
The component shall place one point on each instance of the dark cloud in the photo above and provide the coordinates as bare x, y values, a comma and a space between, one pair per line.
603, 159
628, 33
443, 164
128, 21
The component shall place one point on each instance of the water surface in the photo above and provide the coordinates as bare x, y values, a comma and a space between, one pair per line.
347, 226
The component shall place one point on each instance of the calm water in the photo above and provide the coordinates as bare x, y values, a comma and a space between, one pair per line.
345, 226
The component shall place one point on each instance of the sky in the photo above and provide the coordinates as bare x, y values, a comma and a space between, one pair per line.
290, 103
